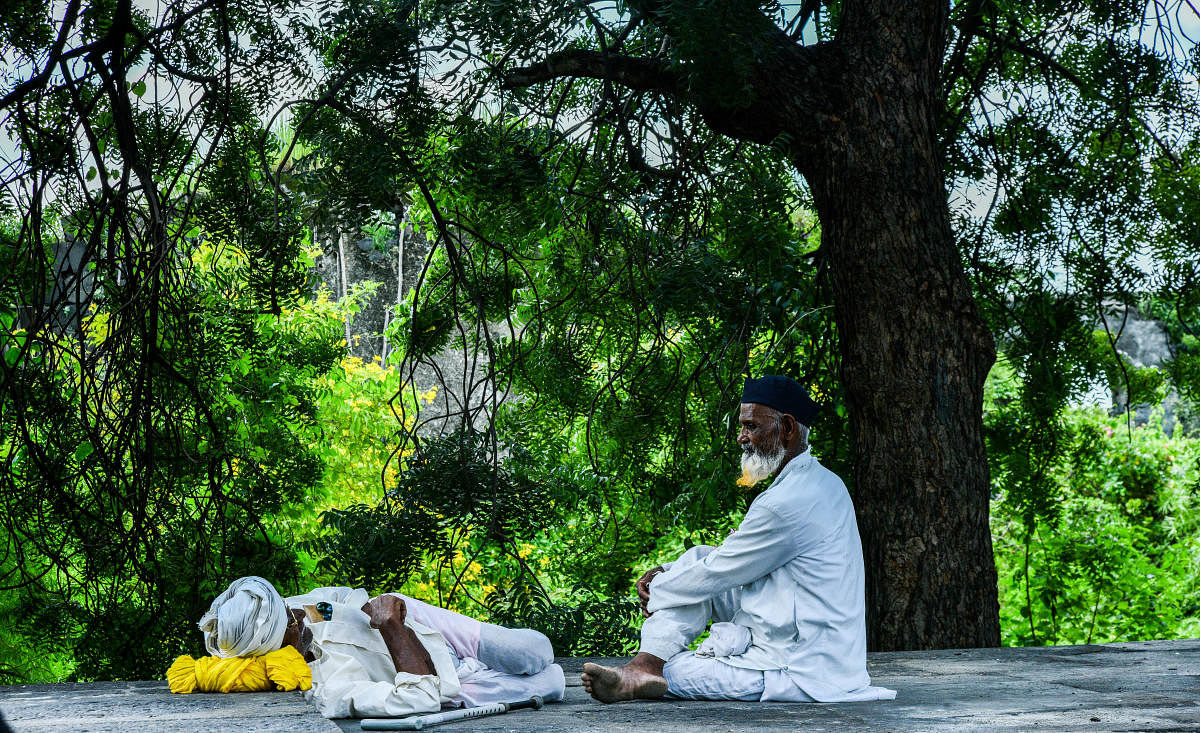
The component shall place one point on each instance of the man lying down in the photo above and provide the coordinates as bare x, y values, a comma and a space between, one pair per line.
386, 656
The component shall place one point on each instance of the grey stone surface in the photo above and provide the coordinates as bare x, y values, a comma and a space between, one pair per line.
1142, 339
1103, 687
103, 707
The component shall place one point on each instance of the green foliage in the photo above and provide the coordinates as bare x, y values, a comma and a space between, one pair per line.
243, 419
591, 627
1141, 385
1108, 555
447, 489
627, 392
374, 547
1180, 317
598, 254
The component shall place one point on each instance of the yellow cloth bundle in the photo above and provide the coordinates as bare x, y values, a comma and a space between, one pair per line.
282, 669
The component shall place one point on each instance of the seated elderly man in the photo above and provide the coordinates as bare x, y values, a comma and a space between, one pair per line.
785, 590
386, 656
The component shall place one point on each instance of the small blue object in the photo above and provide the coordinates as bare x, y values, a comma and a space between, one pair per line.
325, 609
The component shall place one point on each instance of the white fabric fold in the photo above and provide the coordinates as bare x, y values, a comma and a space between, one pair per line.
248, 619
725, 639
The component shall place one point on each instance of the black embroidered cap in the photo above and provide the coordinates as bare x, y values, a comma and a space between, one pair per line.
784, 394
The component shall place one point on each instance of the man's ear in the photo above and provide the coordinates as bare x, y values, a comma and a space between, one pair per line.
790, 428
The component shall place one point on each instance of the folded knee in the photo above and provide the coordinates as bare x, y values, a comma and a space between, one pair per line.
515, 651
540, 652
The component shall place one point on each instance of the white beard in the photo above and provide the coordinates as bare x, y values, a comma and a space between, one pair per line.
758, 466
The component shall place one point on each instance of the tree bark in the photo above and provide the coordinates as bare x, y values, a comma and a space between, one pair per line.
860, 118
915, 352
914, 358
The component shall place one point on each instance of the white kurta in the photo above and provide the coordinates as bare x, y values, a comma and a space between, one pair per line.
354, 675
796, 562
353, 672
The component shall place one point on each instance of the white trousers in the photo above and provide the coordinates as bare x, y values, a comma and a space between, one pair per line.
669, 631
482, 685
494, 663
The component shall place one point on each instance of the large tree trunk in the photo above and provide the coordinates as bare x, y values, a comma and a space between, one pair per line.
861, 117
914, 358
914, 350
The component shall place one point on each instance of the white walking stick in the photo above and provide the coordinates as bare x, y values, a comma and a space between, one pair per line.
420, 722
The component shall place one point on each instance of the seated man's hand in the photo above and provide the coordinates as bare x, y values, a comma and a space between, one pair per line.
643, 588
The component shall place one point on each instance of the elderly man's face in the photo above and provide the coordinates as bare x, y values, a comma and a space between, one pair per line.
763, 450
760, 429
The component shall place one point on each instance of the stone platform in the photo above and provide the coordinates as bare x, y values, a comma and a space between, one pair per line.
1131, 686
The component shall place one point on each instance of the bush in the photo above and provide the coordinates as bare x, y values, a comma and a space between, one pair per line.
1116, 561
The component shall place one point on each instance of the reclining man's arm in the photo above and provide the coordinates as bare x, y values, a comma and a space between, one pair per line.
350, 676
762, 543
387, 614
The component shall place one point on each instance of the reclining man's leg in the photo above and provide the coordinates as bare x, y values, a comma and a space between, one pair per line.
520, 662
515, 651
664, 635
484, 686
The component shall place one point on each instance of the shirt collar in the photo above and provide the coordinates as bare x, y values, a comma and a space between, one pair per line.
799, 463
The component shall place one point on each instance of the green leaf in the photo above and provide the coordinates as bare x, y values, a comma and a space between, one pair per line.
83, 451
91, 173
139, 88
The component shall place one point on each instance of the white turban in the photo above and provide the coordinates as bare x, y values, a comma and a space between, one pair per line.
248, 619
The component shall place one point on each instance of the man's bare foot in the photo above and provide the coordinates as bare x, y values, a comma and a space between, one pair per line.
640, 679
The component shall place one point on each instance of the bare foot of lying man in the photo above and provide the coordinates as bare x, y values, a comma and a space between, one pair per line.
640, 679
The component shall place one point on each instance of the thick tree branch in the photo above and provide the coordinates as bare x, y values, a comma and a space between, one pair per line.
793, 87
644, 75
